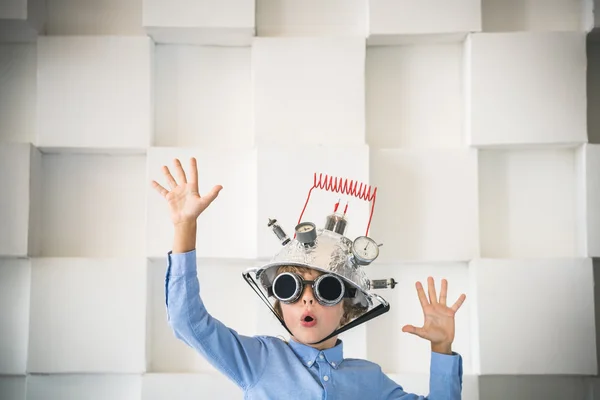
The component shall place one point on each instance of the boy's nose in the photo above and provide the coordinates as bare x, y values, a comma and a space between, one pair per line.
308, 295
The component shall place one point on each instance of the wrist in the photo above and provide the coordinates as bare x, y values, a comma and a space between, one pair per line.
442, 348
185, 237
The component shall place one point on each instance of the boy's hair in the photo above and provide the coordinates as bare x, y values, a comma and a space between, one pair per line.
351, 311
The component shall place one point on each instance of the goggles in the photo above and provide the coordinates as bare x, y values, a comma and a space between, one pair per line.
328, 289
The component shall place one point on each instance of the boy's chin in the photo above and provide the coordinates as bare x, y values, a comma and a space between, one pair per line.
310, 336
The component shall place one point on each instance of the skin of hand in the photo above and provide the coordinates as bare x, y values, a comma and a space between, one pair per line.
438, 326
185, 203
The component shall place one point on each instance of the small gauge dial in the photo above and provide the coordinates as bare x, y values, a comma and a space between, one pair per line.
305, 227
365, 250
306, 232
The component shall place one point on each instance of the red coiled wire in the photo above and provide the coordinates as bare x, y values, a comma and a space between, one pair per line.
343, 186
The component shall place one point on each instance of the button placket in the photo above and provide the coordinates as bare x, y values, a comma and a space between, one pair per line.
324, 370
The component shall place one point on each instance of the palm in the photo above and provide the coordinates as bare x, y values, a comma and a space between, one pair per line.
185, 203
438, 326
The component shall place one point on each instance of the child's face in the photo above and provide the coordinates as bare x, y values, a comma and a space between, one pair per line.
326, 319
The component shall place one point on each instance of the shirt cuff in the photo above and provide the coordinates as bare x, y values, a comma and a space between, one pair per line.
180, 264
446, 364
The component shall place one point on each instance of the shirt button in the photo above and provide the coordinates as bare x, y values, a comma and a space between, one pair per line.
325, 378
309, 363
333, 364
321, 356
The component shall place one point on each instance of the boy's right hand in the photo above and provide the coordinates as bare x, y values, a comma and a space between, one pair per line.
185, 203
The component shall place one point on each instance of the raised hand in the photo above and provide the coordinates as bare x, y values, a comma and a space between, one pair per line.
438, 327
185, 203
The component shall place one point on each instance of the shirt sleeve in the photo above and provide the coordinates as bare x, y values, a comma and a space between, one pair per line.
445, 382
241, 358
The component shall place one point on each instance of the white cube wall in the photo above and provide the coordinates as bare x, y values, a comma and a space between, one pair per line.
311, 18
309, 90
525, 88
589, 217
188, 387
563, 327
203, 97
95, 92
13, 387
228, 22
92, 387
22, 20
88, 315
426, 208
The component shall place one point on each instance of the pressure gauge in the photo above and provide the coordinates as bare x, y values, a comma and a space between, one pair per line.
306, 232
365, 250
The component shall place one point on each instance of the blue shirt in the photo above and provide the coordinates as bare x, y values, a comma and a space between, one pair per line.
266, 367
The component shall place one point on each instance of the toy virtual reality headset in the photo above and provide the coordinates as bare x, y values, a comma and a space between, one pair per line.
340, 261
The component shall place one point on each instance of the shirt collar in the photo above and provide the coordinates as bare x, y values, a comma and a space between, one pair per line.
309, 355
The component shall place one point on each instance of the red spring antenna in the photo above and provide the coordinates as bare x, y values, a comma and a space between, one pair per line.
343, 186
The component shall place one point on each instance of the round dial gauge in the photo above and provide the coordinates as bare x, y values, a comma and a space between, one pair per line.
305, 227
365, 250
306, 232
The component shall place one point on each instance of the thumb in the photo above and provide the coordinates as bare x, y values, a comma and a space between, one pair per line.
214, 192
414, 330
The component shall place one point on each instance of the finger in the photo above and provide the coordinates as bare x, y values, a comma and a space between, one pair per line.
170, 179
421, 294
163, 192
193, 175
414, 330
444, 292
432, 294
459, 302
210, 196
179, 170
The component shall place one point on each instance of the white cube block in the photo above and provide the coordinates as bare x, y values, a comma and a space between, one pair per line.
15, 277
238, 312
93, 206
203, 96
189, 387
399, 21
104, 17
88, 387
548, 387
311, 18
95, 92
558, 293
309, 90
20, 170
205, 22
228, 227
22, 20
419, 384
13, 387
87, 315
593, 88
18, 94
525, 88
528, 203
588, 163
414, 96
426, 206
287, 174
400, 352
534, 15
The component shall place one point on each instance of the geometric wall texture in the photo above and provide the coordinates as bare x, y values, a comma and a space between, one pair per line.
477, 120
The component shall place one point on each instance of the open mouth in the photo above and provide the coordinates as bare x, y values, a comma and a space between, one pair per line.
308, 320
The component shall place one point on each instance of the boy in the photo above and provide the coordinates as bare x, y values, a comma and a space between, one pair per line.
266, 367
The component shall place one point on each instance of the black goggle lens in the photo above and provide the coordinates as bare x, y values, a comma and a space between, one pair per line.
330, 288
285, 287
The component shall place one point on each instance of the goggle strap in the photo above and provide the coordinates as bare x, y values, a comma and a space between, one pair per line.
265, 300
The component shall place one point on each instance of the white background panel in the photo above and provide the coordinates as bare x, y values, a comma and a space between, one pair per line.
555, 322
225, 229
400, 17
93, 205
426, 205
592, 195
414, 96
15, 276
287, 173
87, 315
400, 352
20, 163
94, 92
311, 18
12, 387
419, 384
97, 17
17, 97
593, 88
21, 20
528, 201
309, 90
226, 296
533, 15
203, 96
535, 387
88, 387
189, 387
526, 88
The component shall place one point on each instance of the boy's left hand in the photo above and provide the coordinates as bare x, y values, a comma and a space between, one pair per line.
438, 327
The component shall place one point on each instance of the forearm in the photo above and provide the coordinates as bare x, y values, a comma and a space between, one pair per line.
442, 348
185, 237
